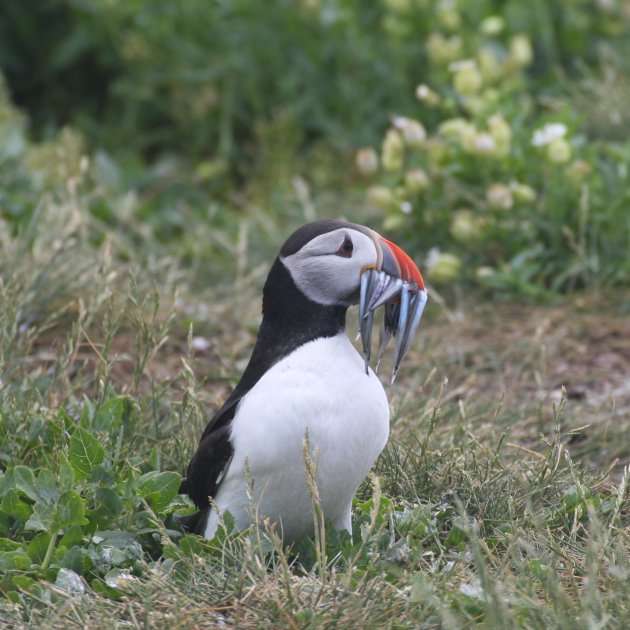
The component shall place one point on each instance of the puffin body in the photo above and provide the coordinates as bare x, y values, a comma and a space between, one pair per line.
305, 380
320, 388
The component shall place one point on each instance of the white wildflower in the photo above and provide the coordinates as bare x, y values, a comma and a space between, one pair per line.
484, 143
433, 255
549, 133
380, 196
392, 151
499, 197
521, 50
485, 271
501, 132
367, 161
443, 267
425, 94
416, 181
492, 26
467, 79
465, 227
559, 151
413, 133
522, 192
463, 64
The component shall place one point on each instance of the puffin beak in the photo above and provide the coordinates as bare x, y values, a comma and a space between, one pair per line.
395, 281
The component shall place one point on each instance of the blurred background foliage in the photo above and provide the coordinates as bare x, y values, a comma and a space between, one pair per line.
152, 153
491, 136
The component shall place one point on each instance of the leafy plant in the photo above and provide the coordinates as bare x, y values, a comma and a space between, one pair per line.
78, 505
497, 178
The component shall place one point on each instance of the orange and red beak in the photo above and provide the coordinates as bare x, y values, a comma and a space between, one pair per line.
397, 263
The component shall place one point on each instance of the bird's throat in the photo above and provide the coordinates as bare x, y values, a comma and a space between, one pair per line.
287, 312
289, 321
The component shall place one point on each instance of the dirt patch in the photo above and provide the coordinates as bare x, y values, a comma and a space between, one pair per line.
529, 357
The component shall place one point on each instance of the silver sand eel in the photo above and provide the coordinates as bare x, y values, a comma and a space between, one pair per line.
404, 303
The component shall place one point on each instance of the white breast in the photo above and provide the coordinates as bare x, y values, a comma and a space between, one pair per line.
321, 388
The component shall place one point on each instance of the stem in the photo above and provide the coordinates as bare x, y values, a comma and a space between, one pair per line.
51, 548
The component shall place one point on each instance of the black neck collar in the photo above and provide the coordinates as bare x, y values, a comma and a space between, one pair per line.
290, 320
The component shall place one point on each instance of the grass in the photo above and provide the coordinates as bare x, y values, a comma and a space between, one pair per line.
130, 300
500, 501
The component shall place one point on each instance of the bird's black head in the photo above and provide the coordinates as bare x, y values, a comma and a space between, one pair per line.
326, 259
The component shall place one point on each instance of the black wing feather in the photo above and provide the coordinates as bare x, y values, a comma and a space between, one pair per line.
207, 467
211, 458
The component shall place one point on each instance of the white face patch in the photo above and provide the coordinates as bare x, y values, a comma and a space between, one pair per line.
326, 277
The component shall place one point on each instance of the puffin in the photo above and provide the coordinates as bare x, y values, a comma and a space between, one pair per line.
306, 386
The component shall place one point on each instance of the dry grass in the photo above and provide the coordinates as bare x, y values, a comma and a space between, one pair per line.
520, 358
502, 505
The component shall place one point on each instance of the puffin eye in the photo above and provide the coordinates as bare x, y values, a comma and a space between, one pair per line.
346, 248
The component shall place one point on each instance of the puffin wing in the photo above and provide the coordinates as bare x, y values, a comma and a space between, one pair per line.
212, 457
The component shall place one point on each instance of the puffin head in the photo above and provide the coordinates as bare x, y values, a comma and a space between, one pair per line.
337, 263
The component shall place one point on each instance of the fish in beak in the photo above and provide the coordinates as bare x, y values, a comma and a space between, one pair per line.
395, 282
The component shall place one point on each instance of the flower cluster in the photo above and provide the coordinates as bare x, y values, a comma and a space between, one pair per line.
483, 176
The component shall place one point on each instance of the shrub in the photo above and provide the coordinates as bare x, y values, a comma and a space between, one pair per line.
196, 77
502, 183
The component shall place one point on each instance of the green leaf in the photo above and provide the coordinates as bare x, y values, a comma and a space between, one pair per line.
85, 452
14, 596
73, 536
6, 522
539, 569
191, 545
7, 481
68, 512
38, 546
25, 481
9, 545
108, 507
458, 534
66, 472
71, 510
159, 489
23, 582
47, 486
101, 588
14, 560
114, 538
154, 458
65, 419
87, 412
43, 517
111, 414
76, 559
13, 505
53, 433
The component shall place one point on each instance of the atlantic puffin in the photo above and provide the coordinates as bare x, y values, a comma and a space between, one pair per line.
306, 379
